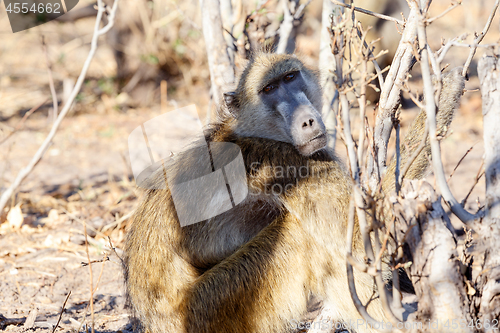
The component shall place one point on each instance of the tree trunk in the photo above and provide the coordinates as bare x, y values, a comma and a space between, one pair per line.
489, 228
221, 68
327, 65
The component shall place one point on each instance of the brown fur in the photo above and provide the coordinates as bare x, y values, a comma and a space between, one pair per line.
256, 267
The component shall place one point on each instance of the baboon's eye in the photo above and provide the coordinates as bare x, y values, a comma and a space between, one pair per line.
269, 88
289, 77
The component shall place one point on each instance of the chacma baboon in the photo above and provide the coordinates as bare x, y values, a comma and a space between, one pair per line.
255, 268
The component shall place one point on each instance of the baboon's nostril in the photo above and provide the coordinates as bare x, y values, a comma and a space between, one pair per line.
310, 122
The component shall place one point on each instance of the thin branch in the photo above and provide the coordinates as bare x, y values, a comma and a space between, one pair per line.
114, 250
350, 274
338, 49
362, 267
479, 174
23, 173
91, 302
106, 258
389, 100
459, 162
480, 37
55, 104
364, 11
449, 9
83, 263
353, 162
430, 107
363, 224
61, 313
372, 57
291, 14
444, 50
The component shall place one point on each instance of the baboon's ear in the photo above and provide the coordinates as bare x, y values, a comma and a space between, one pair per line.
231, 104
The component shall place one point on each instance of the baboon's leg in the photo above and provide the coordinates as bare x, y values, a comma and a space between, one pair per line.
257, 289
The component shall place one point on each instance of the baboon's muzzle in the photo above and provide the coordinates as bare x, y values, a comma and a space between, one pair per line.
308, 130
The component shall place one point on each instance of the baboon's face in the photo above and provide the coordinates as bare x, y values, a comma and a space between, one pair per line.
279, 98
285, 96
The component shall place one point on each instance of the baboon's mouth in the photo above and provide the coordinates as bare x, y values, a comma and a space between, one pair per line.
313, 145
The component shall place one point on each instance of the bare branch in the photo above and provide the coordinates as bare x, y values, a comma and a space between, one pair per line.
389, 99
430, 107
55, 104
292, 13
350, 274
364, 11
479, 174
459, 162
61, 313
45, 145
480, 37
454, 5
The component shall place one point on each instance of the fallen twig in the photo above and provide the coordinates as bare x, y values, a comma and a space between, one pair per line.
61, 313
91, 301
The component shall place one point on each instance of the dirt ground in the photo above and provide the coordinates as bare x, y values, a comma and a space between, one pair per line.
85, 181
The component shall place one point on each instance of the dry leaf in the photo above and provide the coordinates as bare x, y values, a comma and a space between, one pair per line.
15, 217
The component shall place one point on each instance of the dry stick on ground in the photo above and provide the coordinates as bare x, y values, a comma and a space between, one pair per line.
55, 107
83, 320
23, 173
106, 258
62, 311
91, 302
21, 122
